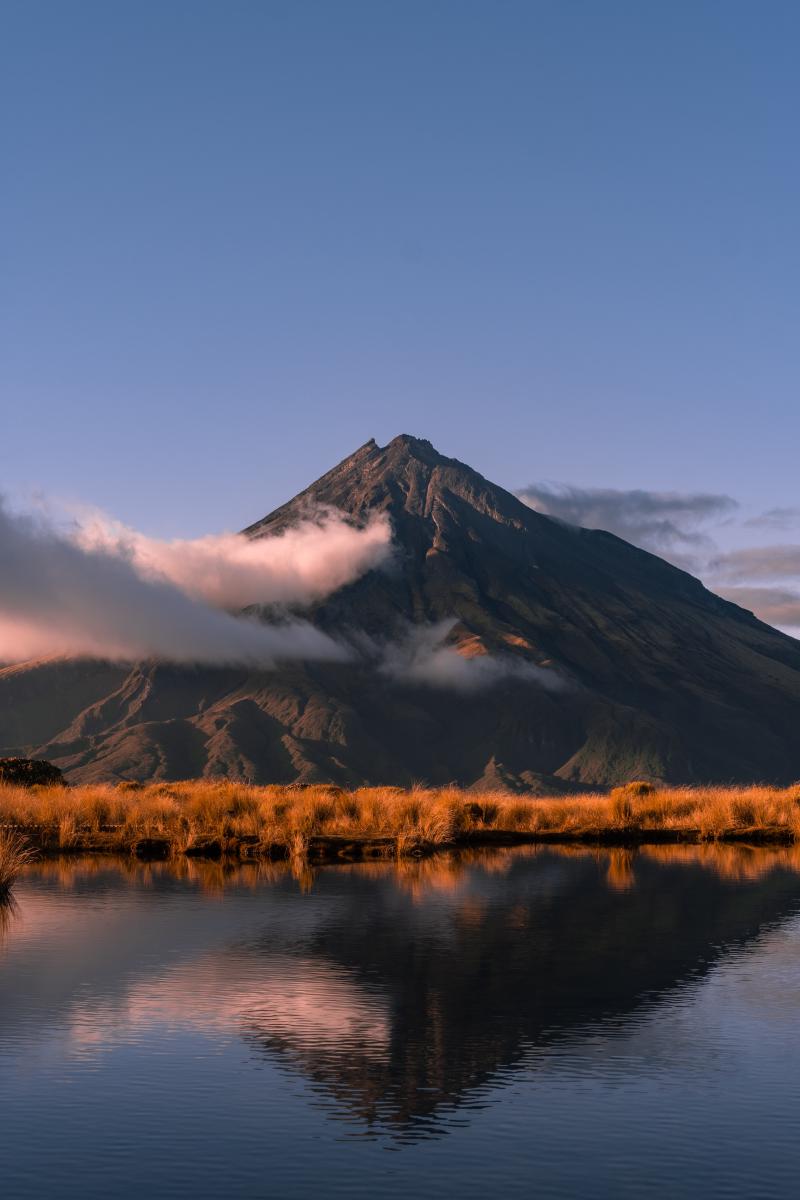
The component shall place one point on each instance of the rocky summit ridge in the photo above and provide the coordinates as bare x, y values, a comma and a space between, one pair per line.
607, 663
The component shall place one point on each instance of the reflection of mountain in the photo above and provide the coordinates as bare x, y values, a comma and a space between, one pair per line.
508, 962
398, 993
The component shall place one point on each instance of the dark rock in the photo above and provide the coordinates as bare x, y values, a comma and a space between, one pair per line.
204, 847
152, 848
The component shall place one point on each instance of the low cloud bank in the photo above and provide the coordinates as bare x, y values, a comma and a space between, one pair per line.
125, 597
423, 655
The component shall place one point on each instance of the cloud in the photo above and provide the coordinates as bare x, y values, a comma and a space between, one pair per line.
775, 518
232, 571
776, 606
675, 526
758, 562
662, 522
423, 655
99, 597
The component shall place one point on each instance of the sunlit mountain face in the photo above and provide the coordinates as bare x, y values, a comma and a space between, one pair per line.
400, 995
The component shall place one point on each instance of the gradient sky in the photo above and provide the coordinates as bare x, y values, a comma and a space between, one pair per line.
238, 239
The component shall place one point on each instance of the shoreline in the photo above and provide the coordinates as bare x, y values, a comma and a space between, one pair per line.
321, 823
329, 850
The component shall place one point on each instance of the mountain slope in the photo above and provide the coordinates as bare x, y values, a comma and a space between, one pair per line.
614, 663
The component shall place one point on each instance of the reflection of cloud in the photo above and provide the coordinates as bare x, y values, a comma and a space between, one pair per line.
394, 1012
303, 1003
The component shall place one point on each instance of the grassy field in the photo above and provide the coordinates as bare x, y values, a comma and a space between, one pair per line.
211, 817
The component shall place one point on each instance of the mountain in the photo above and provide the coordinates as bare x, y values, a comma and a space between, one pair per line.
603, 663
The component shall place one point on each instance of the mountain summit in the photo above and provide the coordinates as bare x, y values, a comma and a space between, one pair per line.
499, 646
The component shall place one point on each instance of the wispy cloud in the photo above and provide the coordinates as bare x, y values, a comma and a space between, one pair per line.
429, 655
749, 569
680, 526
775, 518
757, 562
667, 523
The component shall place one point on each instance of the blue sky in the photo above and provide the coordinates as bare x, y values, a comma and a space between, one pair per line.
238, 239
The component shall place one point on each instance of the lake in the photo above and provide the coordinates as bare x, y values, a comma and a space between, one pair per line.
511, 1023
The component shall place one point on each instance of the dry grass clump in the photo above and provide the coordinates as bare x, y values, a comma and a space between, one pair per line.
15, 853
233, 815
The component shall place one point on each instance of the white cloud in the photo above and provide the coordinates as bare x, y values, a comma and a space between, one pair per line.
232, 571
426, 655
124, 597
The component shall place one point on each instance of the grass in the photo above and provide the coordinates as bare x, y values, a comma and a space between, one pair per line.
220, 817
15, 853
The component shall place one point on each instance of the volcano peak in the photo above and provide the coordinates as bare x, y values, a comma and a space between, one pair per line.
414, 447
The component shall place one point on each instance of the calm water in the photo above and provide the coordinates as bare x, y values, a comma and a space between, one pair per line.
512, 1024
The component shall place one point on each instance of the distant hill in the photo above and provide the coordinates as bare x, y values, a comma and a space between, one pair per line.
611, 663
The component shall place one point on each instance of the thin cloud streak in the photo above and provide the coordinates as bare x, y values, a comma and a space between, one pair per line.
775, 518
758, 562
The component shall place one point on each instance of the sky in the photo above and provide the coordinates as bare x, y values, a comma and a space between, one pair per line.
558, 239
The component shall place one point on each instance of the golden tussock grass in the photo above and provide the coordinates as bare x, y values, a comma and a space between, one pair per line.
15, 853
256, 820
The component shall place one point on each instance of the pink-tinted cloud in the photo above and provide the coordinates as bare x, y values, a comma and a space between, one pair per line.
99, 596
231, 571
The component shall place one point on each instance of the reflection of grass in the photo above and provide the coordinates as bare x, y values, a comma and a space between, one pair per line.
15, 853
221, 816
8, 911
445, 872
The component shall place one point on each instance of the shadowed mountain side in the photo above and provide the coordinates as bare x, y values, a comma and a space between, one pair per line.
324, 722
506, 963
633, 667
38, 700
